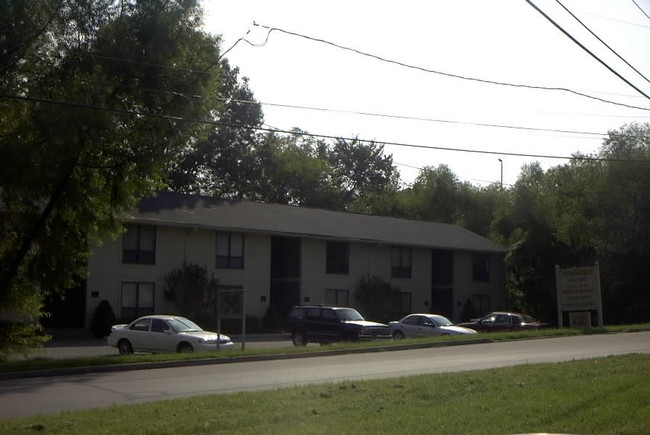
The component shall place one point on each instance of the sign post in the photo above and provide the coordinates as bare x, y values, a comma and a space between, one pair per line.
578, 292
231, 304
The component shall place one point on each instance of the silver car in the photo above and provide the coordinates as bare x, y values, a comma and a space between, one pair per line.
425, 325
165, 333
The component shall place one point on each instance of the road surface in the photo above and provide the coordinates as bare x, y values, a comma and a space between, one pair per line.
25, 397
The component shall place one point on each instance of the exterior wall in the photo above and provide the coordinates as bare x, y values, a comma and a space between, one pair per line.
365, 258
173, 247
466, 288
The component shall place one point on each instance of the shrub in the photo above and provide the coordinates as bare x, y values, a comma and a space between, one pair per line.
103, 319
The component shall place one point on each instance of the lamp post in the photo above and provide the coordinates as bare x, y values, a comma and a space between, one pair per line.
501, 161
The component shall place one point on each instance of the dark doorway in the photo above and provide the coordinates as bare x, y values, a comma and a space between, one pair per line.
442, 282
285, 273
68, 310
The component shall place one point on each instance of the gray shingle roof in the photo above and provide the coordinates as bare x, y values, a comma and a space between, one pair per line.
175, 209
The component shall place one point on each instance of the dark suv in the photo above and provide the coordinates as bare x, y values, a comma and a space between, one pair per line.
324, 324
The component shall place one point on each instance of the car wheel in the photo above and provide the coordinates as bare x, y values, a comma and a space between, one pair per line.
398, 335
185, 348
124, 346
299, 338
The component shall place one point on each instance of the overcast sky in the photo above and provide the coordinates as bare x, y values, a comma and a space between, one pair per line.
503, 41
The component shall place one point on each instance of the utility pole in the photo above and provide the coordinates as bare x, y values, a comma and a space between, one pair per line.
501, 161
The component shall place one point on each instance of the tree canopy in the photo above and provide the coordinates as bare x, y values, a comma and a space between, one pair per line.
95, 98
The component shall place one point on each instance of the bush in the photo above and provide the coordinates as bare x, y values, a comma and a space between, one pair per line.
103, 319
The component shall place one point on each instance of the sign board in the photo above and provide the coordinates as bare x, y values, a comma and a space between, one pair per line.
580, 320
578, 289
231, 304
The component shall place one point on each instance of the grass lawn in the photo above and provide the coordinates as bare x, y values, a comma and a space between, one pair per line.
49, 363
602, 396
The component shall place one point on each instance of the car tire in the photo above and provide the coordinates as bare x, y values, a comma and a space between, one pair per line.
299, 338
184, 347
124, 346
398, 335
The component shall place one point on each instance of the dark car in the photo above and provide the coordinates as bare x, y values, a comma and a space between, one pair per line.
323, 324
503, 321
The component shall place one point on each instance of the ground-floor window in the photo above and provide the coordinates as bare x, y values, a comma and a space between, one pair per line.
340, 297
137, 299
481, 303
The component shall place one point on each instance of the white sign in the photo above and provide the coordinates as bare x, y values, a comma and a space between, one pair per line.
578, 289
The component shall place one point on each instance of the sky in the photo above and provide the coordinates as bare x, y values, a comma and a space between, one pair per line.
405, 95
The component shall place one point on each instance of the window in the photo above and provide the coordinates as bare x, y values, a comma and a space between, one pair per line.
338, 257
137, 299
340, 297
139, 244
230, 251
481, 268
401, 262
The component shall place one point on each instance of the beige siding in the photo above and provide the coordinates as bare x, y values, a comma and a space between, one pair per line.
175, 245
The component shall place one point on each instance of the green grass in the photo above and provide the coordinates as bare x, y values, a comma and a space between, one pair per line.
33, 364
598, 396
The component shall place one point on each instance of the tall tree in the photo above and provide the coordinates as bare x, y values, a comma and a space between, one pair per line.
95, 98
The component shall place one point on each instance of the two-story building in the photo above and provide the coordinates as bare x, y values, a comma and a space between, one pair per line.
285, 255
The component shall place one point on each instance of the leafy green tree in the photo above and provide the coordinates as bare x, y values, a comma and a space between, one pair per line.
95, 98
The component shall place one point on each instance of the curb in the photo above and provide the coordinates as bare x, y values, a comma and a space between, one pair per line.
84, 370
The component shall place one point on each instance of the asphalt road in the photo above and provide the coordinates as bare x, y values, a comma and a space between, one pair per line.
23, 397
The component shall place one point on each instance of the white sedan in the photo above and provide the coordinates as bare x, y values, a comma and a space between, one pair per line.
163, 333
425, 325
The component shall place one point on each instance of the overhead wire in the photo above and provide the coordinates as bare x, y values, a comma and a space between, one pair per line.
352, 112
641, 9
591, 53
602, 42
307, 134
446, 74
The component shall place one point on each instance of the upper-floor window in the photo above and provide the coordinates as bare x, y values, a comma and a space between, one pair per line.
401, 262
338, 257
481, 268
139, 244
230, 250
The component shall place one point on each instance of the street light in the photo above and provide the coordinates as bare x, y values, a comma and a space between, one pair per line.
501, 161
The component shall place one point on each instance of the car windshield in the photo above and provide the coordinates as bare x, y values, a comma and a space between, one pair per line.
183, 325
440, 320
528, 319
348, 314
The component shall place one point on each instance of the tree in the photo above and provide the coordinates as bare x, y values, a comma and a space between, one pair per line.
224, 163
95, 98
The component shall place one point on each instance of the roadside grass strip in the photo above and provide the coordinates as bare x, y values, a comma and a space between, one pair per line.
105, 362
596, 396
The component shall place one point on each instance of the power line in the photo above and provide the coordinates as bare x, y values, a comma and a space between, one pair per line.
586, 49
303, 133
641, 9
324, 109
602, 42
446, 74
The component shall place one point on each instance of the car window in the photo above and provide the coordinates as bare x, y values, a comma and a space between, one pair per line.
440, 321
181, 324
329, 315
159, 325
141, 325
348, 314
297, 313
502, 319
516, 320
313, 313
528, 319
411, 320
489, 319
